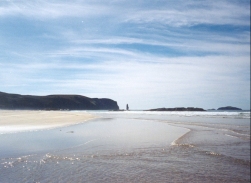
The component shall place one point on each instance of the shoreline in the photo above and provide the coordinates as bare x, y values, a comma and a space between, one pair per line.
175, 142
13, 121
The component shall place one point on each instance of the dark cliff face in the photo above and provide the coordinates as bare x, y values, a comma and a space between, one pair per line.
55, 102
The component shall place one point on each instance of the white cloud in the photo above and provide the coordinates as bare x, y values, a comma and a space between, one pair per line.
49, 10
190, 13
178, 13
141, 53
161, 84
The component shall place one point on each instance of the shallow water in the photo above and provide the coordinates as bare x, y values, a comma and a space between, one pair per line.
100, 134
132, 147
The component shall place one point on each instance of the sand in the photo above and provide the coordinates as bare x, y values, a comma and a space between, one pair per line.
23, 120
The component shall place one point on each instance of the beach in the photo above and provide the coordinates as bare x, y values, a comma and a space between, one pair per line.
23, 120
130, 146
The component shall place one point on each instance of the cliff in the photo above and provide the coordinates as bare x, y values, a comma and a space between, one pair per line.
55, 102
178, 109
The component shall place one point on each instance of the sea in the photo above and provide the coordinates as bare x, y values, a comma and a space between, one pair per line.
132, 146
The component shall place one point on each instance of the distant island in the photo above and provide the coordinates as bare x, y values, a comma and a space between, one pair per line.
229, 108
55, 102
211, 109
178, 109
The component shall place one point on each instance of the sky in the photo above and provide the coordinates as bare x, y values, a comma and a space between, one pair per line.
148, 54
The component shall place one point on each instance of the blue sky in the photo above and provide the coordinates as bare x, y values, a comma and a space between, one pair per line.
148, 54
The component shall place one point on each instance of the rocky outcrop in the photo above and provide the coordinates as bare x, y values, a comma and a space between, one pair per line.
211, 109
55, 102
229, 108
178, 109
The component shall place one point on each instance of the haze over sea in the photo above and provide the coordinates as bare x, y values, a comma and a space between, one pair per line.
133, 146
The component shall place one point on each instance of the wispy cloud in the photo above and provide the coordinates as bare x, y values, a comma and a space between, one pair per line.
174, 13
126, 80
145, 53
51, 10
191, 13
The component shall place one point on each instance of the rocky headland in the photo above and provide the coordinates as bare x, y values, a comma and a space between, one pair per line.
178, 109
229, 108
55, 102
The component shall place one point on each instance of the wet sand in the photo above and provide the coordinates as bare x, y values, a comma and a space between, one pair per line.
22, 120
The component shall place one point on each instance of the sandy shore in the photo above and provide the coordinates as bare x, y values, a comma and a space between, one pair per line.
22, 120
